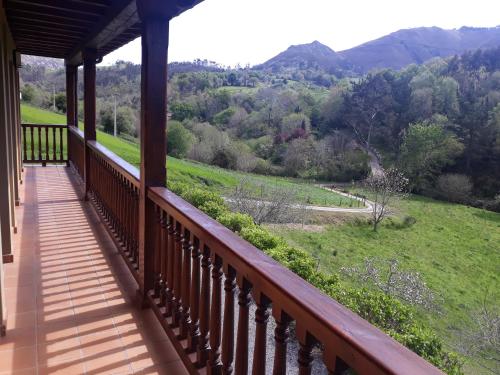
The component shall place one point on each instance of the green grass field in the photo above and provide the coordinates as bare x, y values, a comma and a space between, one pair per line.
455, 248
219, 179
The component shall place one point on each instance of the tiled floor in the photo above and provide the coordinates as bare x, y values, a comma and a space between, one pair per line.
69, 294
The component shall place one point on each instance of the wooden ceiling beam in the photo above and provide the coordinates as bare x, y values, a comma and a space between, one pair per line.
54, 19
44, 12
21, 20
74, 6
42, 31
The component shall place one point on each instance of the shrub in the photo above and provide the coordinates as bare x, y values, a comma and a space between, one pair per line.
296, 260
214, 209
179, 139
236, 221
261, 238
198, 197
454, 187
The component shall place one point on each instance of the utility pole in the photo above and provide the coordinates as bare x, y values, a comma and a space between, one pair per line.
114, 119
54, 97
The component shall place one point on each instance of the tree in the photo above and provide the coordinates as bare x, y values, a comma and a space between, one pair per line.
427, 148
385, 188
455, 187
179, 139
387, 276
61, 102
125, 120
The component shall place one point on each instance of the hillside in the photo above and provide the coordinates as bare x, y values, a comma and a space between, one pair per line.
394, 51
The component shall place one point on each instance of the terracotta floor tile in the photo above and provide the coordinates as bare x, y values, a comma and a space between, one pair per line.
18, 359
70, 295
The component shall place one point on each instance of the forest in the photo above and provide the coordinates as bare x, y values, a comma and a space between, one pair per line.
438, 122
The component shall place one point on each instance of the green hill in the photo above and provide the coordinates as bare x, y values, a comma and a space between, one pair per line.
219, 179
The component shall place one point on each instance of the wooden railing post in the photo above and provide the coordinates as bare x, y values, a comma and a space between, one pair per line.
71, 101
154, 23
89, 116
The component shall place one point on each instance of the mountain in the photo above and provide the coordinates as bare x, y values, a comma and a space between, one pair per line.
312, 55
396, 50
47, 62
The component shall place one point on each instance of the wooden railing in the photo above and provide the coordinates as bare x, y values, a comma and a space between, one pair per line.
214, 293
114, 185
44, 143
76, 149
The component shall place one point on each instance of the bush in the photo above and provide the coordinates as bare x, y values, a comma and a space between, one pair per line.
261, 238
199, 197
454, 187
236, 221
214, 209
179, 139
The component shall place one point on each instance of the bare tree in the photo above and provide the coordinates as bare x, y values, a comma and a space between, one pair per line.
387, 276
482, 339
265, 204
385, 188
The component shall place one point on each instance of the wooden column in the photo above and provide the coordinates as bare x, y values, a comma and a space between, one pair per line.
71, 100
89, 114
14, 133
18, 125
153, 126
5, 148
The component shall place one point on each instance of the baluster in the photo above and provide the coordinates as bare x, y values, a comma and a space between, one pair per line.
194, 332
170, 266
54, 144
334, 364
244, 300
164, 259
186, 281
281, 333
261, 318
203, 346
305, 358
61, 143
228, 329
47, 149
25, 156
32, 144
157, 254
177, 273
214, 365
40, 158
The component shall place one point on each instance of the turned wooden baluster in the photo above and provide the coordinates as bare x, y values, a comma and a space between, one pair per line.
203, 345
281, 333
333, 363
170, 267
47, 149
157, 254
306, 342
186, 284
32, 144
61, 144
214, 365
54, 144
164, 260
244, 300
194, 300
228, 329
261, 318
40, 157
25, 147
176, 300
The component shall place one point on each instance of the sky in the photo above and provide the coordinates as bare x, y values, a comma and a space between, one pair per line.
244, 32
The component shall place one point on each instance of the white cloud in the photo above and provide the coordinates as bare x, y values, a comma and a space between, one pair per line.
252, 31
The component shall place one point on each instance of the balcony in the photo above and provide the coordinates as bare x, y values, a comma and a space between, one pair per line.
106, 270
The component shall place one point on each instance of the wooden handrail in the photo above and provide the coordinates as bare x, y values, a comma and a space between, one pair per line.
76, 131
342, 333
27, 124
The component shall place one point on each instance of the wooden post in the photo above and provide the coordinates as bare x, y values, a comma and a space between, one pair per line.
153, 127
71, 101
89, 70
5, 148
